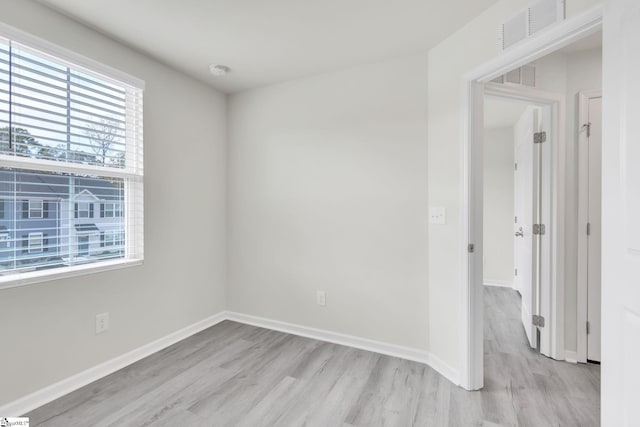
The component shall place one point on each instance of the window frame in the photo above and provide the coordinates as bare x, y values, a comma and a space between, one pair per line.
114, 209
109, 239
133, 175
32, 235
109, 207
81, 205
30, 209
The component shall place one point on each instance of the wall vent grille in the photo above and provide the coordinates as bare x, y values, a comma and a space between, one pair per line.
523, 76
514, 30
533, 19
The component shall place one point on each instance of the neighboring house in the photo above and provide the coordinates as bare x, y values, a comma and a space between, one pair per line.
40, 226
29, 218
92, 223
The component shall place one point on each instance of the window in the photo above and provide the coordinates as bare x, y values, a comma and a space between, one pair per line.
111, 238
82, 210
35, 242
35, 208
4, 239
70, 141
110, 210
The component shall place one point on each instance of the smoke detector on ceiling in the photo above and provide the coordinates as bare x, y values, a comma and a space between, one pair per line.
219, 70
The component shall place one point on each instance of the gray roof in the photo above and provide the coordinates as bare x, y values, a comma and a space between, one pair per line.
50, 186
86, 227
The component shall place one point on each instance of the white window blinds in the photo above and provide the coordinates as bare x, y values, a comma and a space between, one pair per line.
71, 163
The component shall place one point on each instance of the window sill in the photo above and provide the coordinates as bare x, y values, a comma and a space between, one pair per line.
22, 279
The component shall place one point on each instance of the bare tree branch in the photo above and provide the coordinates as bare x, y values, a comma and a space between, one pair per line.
102, 138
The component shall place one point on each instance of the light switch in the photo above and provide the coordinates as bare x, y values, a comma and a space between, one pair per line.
438, 215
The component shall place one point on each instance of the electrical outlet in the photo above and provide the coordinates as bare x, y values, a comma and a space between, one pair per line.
102, 323
438, 215
321, 298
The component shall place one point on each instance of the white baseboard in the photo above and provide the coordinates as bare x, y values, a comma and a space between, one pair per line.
408, 353
45, 395
499, 283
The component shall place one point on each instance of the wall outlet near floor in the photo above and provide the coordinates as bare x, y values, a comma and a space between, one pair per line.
438, 215
321, 298
102, 323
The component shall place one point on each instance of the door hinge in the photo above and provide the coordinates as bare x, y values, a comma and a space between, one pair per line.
588, 127
537, 321
588, 229
539, 229
539, 137
516, 272
516, 166
515, 219
588, 328
471, 248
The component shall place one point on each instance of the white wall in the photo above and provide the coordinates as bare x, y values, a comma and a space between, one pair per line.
47, 329
498, 205
328, 191
308, 212
569, 74
478, 41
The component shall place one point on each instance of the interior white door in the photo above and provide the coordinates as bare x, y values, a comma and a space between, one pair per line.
621, 214
594, 235
524, 210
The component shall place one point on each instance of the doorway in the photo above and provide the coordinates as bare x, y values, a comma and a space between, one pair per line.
522, 129
556, 38
83, 245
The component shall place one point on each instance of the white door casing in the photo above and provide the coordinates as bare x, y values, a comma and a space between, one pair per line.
538, 257
621, 214
594, 240
551, 118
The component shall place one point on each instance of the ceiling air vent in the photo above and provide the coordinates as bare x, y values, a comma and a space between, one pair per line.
537, 16
523, 76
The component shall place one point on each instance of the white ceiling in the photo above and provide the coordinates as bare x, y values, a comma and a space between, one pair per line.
272, 41
501, 112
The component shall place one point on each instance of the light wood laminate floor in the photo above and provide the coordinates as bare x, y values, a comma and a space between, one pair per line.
238, 375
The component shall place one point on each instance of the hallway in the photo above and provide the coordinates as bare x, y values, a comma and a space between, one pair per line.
543, 391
